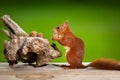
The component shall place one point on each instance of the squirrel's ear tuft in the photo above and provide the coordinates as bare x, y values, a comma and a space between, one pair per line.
65, 23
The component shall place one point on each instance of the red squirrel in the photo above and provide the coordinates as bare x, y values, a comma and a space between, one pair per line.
75, 50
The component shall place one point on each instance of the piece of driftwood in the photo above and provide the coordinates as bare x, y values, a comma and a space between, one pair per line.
27, 49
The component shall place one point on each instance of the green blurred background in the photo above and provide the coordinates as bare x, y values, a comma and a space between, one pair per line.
96, 22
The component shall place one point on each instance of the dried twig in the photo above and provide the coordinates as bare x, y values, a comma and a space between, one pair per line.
25, 48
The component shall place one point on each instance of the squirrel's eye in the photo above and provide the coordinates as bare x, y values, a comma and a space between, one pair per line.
58, 27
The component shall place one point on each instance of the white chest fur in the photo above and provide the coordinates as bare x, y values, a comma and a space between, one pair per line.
67, 49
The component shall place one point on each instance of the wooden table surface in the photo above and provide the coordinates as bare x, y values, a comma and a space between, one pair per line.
54, 72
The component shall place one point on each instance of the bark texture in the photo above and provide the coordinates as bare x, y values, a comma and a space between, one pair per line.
27, 49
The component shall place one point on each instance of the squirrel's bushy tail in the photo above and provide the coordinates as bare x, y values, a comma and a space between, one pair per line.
108, 64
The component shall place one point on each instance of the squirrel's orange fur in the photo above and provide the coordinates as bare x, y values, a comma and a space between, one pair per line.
75, 50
